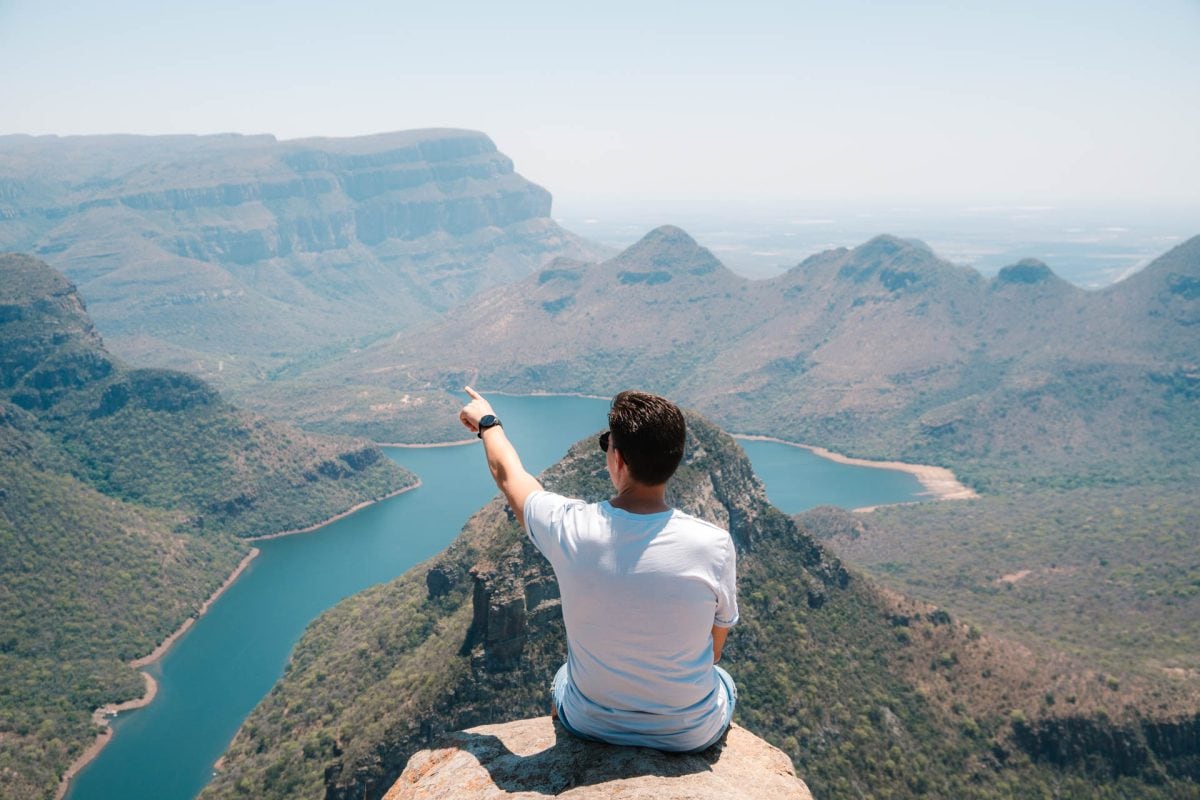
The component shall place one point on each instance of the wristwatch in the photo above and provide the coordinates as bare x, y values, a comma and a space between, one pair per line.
487, 421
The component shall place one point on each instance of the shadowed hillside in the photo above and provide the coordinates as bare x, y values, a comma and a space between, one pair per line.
870, 694
123, 494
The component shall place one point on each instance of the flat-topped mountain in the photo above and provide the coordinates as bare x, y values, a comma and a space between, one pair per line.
229, 255
868, 693
123, 494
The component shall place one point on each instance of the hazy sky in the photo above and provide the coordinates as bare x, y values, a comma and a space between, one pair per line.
796, 102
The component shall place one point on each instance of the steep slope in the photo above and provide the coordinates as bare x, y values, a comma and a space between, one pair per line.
1167, 290
122, 494
87, 583
869, 694
163, 438
231, 256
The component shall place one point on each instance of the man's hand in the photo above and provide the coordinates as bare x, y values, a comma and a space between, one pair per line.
503, 461
475, 410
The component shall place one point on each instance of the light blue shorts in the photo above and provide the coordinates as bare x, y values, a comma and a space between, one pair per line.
559, 689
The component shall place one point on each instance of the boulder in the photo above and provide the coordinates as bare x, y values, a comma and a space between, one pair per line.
537, 758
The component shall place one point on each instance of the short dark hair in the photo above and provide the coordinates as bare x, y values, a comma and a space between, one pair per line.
650, 432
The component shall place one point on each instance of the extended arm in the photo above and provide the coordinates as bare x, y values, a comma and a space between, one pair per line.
505, 465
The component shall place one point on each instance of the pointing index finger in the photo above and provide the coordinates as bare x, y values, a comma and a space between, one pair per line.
474, 394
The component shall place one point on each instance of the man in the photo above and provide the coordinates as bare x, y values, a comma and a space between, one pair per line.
648, 592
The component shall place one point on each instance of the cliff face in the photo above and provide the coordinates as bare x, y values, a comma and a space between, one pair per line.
536, 758
193, 249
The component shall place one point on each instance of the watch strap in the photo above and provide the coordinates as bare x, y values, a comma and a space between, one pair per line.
487, 421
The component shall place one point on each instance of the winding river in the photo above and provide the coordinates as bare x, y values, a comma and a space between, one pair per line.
215, 674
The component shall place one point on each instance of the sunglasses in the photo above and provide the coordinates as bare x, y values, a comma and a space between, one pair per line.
605, 438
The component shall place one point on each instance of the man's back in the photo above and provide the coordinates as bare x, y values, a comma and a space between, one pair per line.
648, 593
640, 595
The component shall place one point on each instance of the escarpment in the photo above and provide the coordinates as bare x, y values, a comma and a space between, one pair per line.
230, 255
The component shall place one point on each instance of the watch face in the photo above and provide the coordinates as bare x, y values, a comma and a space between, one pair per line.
487, 421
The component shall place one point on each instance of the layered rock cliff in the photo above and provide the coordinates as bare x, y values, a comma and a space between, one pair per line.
228, 255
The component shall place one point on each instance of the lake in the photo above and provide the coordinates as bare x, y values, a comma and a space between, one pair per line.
215, 675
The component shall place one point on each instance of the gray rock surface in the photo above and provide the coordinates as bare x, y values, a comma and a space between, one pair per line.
537, 758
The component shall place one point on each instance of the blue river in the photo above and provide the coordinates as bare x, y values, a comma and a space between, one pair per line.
215, 675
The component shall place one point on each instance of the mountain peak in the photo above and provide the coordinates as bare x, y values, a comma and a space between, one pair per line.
885, 245
886, 250
666, 251
670, 233
27, 280
1026, 271
898, 264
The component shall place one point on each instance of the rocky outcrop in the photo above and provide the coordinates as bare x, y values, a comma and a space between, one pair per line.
515, 641
50, 345
537, 758
867, 693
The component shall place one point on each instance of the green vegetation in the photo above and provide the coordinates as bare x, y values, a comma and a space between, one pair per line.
230, 471
870, 694
124, 499
1111, 575
1075, 412
883, 350
89, 583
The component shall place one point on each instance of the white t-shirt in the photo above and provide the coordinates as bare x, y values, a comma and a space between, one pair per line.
640, 595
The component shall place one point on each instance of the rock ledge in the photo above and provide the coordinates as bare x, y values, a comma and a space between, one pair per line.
536, 758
